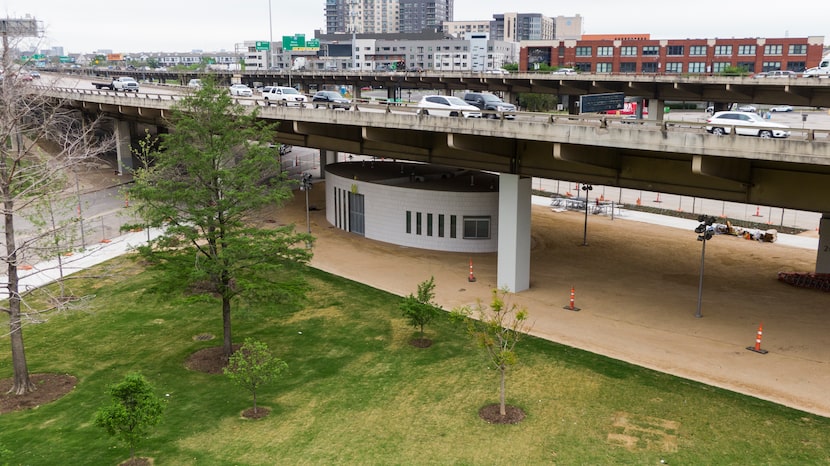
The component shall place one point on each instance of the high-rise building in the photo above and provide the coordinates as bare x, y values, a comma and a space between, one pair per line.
516, 27
386, 16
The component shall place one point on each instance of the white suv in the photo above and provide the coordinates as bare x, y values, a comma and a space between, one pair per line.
284, 96
746, 124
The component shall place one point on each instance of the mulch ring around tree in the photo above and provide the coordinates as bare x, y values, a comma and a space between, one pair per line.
260, 413
421, 342
491, 414
50, 387
208, 360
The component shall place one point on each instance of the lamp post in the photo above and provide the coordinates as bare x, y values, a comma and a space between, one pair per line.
587, 188
704, 232
306, 186
270, 37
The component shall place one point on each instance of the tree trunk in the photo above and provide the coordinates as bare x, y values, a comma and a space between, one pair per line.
254, 401
227, 348
22, 384
502, 407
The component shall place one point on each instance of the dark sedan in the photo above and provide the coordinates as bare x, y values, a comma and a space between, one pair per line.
330, 99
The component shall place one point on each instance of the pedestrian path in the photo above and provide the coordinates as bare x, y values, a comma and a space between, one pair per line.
47, 272
797, 241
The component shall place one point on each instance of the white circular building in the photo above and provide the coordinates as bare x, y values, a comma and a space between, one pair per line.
415, 205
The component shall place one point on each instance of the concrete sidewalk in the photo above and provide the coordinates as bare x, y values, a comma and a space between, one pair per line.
48, 272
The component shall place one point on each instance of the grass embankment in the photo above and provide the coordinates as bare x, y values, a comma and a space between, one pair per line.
357, 393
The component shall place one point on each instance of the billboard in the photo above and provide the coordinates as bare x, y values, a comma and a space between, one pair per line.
297, 43
18, 27
601, 102
115, 57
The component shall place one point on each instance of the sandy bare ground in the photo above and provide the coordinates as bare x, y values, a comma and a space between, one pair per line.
637, 287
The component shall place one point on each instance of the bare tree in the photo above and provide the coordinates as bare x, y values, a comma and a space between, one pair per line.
41, 140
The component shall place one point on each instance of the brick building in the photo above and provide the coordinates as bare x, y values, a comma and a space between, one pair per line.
641, 55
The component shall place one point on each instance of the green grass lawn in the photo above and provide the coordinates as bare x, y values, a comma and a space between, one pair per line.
357, 393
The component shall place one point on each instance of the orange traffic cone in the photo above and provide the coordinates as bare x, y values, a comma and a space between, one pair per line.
570, 305
757, 347
757, 212
472, 277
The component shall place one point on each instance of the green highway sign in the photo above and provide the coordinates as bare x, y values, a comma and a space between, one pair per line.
64, 59
298, 43
263, 45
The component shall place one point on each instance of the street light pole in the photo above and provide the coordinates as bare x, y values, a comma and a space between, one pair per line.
587, 188
704, 233
270, 37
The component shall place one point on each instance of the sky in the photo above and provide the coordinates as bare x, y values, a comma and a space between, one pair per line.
85, 26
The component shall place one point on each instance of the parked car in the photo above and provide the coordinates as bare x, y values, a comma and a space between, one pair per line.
241, 90
485, 101
746, 124
564, 71
446, 105
330, 99
285, 95
781, 108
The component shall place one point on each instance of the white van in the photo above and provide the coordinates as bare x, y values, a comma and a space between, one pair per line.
283, 96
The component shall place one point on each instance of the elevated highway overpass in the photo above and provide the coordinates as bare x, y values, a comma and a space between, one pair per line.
668, 156
799, 91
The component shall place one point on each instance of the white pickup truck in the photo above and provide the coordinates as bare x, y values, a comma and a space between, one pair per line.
822, 70
123, 83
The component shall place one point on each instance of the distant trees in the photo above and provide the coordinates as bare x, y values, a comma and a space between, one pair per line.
419, 310
209, 178
253, 366
134, 410
498, 329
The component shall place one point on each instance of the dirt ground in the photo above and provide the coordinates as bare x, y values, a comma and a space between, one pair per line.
637, 287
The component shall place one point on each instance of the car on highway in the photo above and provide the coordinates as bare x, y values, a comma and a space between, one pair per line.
564, 71
781, 108
745, 124
486, 101
777, 74
447, 105
34, 74
195, 84
284, 95
330, 99
746, 108
241, 90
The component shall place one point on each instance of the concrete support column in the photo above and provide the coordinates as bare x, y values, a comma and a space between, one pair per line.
514, 232
656, 109
571, 103
823, 254
510, 98
123, 149
326, 157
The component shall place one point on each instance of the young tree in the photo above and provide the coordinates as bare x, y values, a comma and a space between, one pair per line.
497, 330
209, 178
253, 365
32, 120
420, 310
134, 411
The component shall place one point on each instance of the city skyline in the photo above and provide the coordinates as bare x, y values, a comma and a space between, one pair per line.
84, 27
